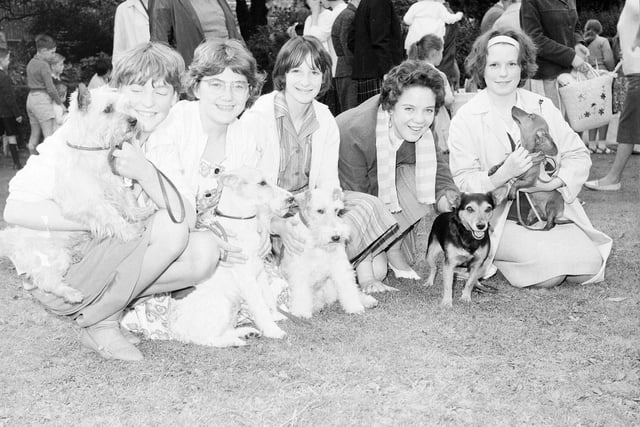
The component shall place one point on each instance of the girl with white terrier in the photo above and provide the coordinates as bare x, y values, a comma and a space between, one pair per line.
109, 273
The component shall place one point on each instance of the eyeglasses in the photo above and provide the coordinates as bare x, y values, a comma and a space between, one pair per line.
238, 88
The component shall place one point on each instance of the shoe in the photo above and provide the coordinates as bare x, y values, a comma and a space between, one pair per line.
404, 274
106, 339
595, 185
129, 336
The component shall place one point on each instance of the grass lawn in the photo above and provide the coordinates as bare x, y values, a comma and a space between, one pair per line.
563, 357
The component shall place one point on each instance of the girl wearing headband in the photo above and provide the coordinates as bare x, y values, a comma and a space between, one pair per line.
480, 133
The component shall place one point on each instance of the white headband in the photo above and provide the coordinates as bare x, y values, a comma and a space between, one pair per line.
503, 39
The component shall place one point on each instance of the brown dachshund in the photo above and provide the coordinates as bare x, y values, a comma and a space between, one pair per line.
535, 138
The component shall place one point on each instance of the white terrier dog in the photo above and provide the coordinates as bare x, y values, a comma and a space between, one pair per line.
322, 273
85, 189
209, 314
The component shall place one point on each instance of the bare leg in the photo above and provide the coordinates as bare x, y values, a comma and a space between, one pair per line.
198, 262
48, 126
34, 136
615, 173
367, 280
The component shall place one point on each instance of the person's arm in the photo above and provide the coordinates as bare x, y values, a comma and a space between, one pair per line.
39, 215
575, 161
343, 36
119, 37
548, 49
352, 163
328, 173
411, 13
636, 42
607, 53
319, 24
45, 75
131, 163
448, 17
160, 20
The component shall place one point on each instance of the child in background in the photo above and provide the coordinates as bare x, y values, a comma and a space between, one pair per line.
429, 50
60, 111
57, 67
427, 17
42, 91
102, 69
601, 58
9, 114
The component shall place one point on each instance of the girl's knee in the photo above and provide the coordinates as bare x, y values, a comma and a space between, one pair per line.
202, 254
172, 236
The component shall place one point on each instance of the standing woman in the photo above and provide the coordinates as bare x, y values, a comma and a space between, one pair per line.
387, 149
299, 151
500, 62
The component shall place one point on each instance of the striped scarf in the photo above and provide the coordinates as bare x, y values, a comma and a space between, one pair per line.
426, 165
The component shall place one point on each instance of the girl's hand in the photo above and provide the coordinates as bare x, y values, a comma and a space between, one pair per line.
517, 163
449, 201
229, 254
130, 162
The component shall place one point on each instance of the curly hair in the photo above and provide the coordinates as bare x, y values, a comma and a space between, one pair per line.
154, 61
476, 62
212, 57
410, 73
294, 52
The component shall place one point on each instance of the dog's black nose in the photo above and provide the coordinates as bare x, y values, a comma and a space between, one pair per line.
335, 238
290, 200
132, 121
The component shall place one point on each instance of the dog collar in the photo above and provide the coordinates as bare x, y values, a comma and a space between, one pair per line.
86, 148
218, 213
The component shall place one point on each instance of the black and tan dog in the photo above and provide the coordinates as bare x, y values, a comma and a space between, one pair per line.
463, 236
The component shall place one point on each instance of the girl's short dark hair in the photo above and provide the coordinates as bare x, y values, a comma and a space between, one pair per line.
423, 47
294, 52
410, 73
44, 41
476, 62
212, 57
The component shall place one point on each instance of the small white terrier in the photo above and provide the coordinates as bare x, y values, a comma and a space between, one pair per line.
322, 273
85, 189
209, 314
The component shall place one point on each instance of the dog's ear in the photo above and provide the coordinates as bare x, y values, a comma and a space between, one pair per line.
337, 194
84, 98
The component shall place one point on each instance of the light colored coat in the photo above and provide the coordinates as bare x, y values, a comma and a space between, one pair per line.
325, 142
478, 141
183, 129
130, 27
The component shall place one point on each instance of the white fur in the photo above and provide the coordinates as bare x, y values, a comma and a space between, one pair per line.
208, 315
86, 191
322, 273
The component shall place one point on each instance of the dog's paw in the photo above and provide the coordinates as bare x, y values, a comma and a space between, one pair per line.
368, 301
428, 283
274, 332
128, 232
71, 295
466, 298
354, 309
375, 286
247, 332
447, 303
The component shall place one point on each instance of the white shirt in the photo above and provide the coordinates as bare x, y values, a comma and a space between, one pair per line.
130, 27
427, 17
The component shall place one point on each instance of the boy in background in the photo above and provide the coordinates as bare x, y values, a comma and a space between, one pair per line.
42, 91
9, 114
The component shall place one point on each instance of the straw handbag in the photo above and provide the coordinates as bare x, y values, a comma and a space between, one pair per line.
587, 99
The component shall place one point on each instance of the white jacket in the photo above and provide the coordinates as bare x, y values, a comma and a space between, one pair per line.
325, 142
130, 27
477, 141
